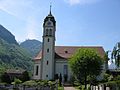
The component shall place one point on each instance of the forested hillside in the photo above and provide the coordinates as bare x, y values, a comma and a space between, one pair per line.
32, 46
7, 36
12, 55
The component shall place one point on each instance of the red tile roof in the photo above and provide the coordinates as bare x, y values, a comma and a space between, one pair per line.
67, 51
39, 56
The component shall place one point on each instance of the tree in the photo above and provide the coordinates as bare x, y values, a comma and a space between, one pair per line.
25, 76
16, 83
85, 63
116, 54
106, 59
5, 78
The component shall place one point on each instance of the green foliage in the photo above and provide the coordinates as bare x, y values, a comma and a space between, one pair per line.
106, 59
72, 79
13, 56
76, 83
30, 83
117, 78
111, 83
5, 78
39, 83
16, 81
106, 77
84, 63
110, 78
25, 76
7, 36
116, 54
60, 88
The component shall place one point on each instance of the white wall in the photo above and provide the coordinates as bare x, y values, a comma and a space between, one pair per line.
59, 68
37, 63
48, 56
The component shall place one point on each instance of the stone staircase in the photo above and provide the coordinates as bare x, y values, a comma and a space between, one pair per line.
67, 84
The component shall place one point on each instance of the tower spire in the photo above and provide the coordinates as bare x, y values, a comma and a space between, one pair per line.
50, 9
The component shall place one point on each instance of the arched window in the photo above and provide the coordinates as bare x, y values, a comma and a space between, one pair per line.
46, 32
47, 50
50, 32
48, 39
47, 63
37, 68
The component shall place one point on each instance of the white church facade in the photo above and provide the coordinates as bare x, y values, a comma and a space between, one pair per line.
53, 60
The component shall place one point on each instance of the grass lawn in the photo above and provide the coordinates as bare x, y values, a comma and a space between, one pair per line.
60, 88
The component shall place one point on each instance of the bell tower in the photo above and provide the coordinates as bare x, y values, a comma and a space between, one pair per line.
48, 62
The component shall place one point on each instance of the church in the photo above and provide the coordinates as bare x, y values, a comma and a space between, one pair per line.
52, 61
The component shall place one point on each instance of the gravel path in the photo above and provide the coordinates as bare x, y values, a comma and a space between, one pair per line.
69, 88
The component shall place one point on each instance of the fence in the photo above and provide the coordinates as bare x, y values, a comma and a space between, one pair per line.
25, 87
105, 87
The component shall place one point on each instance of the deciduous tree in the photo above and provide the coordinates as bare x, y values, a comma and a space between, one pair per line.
116, 54
85, 63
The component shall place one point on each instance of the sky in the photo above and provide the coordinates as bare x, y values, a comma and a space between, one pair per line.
78, 22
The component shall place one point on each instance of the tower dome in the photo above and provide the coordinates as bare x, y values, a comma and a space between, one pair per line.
49, 17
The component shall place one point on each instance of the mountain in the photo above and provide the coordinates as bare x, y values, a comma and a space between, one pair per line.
12, 55
32, 46
7, 36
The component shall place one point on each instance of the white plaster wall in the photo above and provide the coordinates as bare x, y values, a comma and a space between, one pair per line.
59, 68
48, 56
37, 63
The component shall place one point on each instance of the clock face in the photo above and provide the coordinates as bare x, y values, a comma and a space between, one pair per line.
49, 23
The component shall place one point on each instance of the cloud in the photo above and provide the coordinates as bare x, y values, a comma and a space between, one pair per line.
29, 31
31, 28
25, 11
81, 2
16, 8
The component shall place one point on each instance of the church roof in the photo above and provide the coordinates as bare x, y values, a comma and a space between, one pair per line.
15, 71
65, 52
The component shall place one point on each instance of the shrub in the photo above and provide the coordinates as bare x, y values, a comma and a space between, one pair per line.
110, 78
17, 81
25, 76
30, 83
72, 80
5, 78
106, 77
111, 83
117, 78
76, 83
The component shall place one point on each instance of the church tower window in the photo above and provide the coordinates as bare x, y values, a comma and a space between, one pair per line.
46, 32
47, 63
50, 33
66, 51
49, 27
48, 39
47, 50
37, 67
